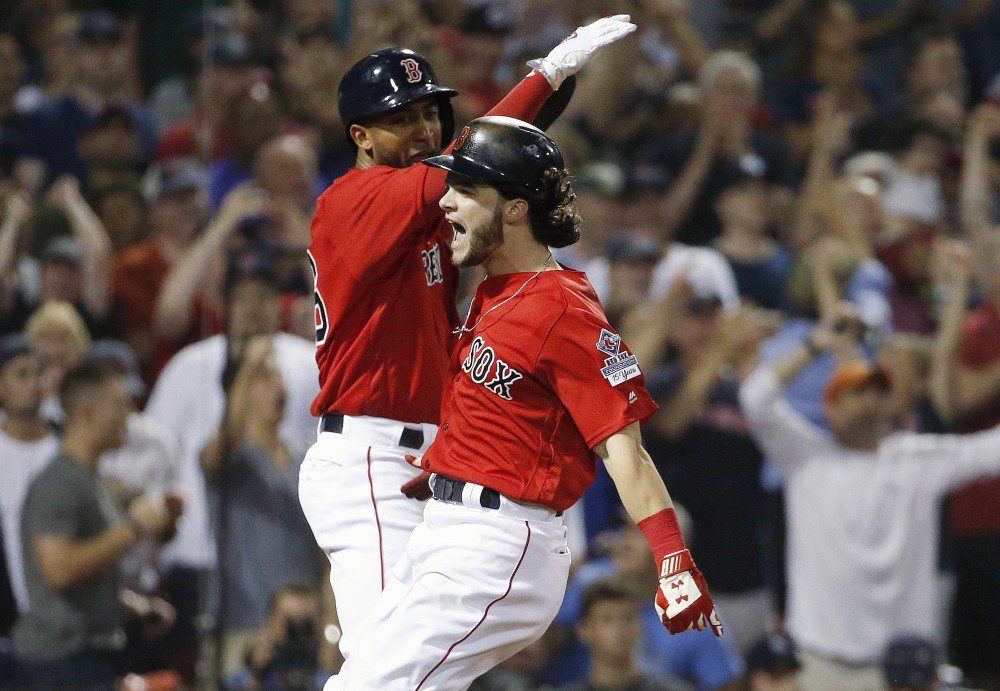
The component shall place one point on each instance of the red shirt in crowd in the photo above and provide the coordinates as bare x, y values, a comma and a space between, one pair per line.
534, 386
385, 286
974, 508
137, 277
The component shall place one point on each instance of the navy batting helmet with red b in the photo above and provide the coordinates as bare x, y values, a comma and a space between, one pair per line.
388, 79
502, 151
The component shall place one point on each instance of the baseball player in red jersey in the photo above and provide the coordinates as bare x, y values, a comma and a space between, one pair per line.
385, 295
538, 383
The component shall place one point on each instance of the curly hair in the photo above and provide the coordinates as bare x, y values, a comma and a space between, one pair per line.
552, 214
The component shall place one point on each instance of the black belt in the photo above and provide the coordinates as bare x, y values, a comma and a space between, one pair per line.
410, 438
450, 489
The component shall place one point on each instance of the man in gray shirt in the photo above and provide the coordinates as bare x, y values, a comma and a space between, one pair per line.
74, 537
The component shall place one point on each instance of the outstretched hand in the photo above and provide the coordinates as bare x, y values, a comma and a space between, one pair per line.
569, 57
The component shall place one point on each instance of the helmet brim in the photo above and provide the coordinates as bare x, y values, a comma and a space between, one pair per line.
466, 168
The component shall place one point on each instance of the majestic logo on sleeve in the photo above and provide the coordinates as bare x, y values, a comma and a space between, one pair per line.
621, 365
482, 361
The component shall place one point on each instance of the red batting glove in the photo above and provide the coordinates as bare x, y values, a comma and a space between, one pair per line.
418, 488
682, 600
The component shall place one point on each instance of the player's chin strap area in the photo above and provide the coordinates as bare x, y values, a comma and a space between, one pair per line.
452, 491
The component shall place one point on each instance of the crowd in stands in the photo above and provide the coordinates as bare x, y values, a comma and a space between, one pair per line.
789, 213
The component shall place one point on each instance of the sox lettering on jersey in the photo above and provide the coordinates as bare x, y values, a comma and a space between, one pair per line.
480, 362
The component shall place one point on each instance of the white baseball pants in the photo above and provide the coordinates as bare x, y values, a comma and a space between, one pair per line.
349, 488
474, 587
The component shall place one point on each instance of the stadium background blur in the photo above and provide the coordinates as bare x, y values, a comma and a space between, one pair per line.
742, 167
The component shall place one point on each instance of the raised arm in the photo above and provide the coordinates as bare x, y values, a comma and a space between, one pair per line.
188, 276
984, 126
17, 211
782, 432
528, 97
953, 287
672, 19
97, 250
682, 195
682, 600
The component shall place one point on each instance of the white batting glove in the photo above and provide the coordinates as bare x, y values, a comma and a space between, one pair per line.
572, 54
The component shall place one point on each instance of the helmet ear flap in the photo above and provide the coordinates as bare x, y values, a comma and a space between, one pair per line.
446, 112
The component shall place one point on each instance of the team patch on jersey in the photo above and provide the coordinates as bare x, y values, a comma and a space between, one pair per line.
622, 365
609, 343
482, 361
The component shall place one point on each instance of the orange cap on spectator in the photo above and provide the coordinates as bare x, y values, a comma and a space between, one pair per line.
855, 375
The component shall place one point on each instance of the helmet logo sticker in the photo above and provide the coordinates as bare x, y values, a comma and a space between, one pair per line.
412, 67
463, 135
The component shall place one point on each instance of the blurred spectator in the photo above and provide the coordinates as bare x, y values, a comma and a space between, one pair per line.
283, 652
213, 86
74, 539
910, 664
970, 389
937, 85
190, 399
72, 269
772, 664
252, 477
16, 102
862, 510
123, 211
477, 47
177, 98
60, 334
27, 444
609, 626
110, 149
176, 214
906, 359
100, 63
760, 265
730, 83
824, 53
269, 215
703, 660
631, 258
599, 187
252, 118
147, 463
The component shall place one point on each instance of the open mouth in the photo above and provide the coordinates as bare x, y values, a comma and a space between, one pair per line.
459, 231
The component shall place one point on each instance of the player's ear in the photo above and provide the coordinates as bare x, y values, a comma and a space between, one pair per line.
360, 137
516, 211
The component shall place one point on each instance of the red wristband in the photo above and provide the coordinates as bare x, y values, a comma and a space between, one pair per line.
663, 534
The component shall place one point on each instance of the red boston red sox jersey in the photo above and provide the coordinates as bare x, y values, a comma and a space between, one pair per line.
385, 294
385, 286
536, 384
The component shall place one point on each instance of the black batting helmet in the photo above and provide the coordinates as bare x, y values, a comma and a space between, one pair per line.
503, 151
388, 79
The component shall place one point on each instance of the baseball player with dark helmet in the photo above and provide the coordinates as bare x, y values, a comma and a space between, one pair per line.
538, 385
385, 294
